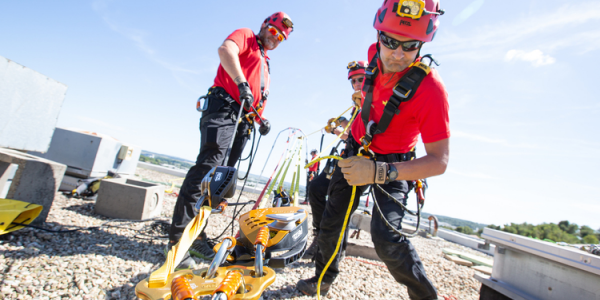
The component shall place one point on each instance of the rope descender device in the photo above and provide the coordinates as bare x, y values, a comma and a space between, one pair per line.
332, 124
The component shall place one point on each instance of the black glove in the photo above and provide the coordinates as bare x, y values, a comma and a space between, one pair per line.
246, 94
265, 127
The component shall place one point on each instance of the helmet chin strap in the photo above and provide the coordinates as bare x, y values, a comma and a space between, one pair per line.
419, 53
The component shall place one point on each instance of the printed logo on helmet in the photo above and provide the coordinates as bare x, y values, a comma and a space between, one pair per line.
402, 22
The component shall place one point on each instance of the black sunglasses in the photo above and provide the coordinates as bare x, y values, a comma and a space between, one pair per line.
354, 80
393, 44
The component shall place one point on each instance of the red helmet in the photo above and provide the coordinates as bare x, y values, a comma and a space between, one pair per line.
357, 68
282, 21
417, 19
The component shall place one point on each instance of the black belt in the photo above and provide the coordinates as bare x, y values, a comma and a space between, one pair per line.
220, 92
353, 147
395, 157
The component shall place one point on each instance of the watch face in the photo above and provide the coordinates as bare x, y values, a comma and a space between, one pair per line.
393, 173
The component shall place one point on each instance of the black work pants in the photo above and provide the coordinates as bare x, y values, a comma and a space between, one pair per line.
217, 126
395, 250
317, 194
309, 181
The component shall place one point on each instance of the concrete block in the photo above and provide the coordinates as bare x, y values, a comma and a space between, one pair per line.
360, 220
31, 103
36, 180
7, 173
89, 154
362, 247
123, 198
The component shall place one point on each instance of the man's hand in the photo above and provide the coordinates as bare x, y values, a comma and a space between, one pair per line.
357, 98
246, 95
358, 170
265, 127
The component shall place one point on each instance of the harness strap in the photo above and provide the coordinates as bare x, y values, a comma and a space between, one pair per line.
403, 91
264, 62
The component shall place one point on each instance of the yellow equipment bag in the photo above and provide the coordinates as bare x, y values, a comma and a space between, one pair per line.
16, 211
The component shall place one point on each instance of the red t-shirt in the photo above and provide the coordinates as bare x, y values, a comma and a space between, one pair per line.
250, 61
314, 167
426, 113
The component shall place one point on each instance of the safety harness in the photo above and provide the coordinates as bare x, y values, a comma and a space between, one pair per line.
403, 92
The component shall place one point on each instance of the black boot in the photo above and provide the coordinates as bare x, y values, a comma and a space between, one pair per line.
309, 286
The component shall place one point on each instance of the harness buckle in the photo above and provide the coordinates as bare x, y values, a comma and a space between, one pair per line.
399, 93
370, 71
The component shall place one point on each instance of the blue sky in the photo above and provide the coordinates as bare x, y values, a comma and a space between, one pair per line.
520, 74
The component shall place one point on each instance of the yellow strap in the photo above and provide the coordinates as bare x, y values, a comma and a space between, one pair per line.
158, 278
172, 181
296, 191
16, 211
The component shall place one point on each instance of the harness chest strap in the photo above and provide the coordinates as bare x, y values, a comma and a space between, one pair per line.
403, 91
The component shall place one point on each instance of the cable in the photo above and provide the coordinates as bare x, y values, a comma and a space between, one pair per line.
271, 151
105, 224
387, 223
231, 224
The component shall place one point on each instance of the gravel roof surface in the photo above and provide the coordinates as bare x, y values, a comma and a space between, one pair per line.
107, 262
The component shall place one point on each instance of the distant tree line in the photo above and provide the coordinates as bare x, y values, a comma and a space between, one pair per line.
164, 160
562, 232
456, 222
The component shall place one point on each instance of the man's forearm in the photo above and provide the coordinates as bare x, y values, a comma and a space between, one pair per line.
423, 167
231, 61
432, 164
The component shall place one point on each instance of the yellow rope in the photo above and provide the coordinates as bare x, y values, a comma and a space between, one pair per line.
337, 247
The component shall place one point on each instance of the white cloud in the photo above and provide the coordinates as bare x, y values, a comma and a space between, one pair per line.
536, 57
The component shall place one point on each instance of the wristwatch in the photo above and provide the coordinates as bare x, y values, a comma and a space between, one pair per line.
392, 173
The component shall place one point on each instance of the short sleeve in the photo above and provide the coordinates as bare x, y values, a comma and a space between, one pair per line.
432, 110
243, 38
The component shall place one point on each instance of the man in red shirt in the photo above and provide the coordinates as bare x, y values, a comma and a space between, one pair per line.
402, 98
242, 75
314, 169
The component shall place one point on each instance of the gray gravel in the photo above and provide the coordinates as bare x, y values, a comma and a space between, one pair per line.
108, 262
